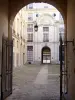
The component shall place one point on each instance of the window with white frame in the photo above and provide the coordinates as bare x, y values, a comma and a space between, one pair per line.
30, 37
30, 6
29, 53
45, 6
45, 34
21, 29
30, 28
17, 26
30, 17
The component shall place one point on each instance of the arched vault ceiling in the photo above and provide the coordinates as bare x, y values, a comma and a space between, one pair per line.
16, 5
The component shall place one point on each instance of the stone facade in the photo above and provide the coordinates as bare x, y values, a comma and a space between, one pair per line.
46, 17
8, 10
18, 35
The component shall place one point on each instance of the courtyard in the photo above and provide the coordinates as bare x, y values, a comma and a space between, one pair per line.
36, 82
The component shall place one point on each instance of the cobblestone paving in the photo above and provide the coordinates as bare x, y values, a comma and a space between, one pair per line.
36, 82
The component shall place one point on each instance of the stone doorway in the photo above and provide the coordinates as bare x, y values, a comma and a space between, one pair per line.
46, 55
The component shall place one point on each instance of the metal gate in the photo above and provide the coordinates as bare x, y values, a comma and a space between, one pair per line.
6, 70
63, 70
60, 68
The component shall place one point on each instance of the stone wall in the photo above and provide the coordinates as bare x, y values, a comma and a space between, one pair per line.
70, 52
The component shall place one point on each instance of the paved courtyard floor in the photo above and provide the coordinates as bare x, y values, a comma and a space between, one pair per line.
36, 82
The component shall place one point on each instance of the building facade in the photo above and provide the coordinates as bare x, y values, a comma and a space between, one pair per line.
18, 35
43, 45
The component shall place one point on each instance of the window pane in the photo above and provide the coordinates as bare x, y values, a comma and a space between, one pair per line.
29, 53
46, 37
30, 28
30, 6
30, 17
30, 37
45, 29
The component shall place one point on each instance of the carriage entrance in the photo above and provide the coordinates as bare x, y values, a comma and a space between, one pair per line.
46, 55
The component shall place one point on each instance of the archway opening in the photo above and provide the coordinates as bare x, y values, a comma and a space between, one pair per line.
46, 55
28, 44
50, 27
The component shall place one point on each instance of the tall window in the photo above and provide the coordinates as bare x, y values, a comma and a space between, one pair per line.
30, 17
21, 30
45, 34
17, 26
30, 53
30, 28
30, 32
31, 6
45, 6
30, 37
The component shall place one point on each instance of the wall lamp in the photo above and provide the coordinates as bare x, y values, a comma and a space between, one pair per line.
36, 27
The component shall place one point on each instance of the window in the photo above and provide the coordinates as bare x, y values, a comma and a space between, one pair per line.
30, 53
45, 37
45, 29
21, 30
30, 28
17, 26
30, 37
45, 6
45, 34
31, 6
30, 17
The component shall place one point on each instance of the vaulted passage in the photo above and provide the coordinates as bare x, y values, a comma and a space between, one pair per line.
8, 11
35, 32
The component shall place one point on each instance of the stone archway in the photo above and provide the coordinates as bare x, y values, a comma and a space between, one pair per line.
16, 6
46, 55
